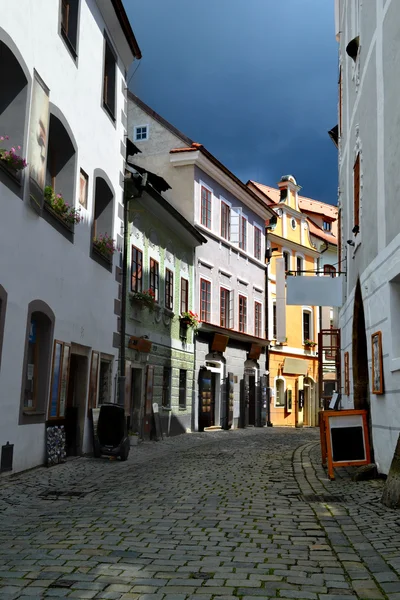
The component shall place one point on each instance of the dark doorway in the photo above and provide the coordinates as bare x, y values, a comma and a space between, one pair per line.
360, 361
207, 383
252, 399
75, 409
360, 354
136, 401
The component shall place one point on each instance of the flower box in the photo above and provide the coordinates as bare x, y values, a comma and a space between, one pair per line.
58, 217
12, 173
107, 256
145, 299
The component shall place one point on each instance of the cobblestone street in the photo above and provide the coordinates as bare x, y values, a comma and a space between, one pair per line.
202, 516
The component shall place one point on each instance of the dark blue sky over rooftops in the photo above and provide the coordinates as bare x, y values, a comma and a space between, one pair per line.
255, 81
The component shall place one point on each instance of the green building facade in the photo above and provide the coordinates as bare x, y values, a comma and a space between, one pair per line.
160, 346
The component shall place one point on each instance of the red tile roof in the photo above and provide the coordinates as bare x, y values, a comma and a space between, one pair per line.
320, 233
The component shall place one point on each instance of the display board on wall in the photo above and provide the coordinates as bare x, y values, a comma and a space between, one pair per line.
344, 439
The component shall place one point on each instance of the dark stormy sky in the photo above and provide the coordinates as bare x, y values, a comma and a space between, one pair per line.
255, 81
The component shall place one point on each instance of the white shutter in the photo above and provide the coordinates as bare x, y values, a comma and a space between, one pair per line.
236, 213
231, 322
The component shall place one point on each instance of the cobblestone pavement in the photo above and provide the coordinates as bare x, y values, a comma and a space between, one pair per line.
208, 516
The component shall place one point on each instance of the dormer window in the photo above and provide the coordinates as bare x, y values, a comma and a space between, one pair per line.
141, 133
327, 225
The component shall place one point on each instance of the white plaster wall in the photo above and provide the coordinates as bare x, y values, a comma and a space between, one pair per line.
36, 262
370, 119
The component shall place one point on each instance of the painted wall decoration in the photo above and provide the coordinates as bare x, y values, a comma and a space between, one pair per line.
38, 140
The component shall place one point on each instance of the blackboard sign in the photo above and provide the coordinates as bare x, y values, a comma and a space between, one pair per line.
344, 438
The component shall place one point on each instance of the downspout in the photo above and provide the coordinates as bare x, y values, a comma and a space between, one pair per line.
266, 286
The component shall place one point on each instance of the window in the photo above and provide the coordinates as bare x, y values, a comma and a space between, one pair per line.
141, 133
61, 160
13, 100
166, 387
69, 23
37, 362
242, 314
206, 207
307, 325
224, 308
243, 233
225, 221
299, 265
279, 392
109, 79
327, 225
184, 295
258, 319
286, 258
257, 243
356, 181
329, 270
137, 270
102, 217
274, 328
59, 380
205, 300
182, 388
169, 289
154, 279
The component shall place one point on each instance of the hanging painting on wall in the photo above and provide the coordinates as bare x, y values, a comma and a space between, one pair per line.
377, 368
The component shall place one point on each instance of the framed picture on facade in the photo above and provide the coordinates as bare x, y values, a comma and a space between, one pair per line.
83, 188
346, 374
377, 366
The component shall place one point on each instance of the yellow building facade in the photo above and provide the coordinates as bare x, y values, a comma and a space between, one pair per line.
293, 354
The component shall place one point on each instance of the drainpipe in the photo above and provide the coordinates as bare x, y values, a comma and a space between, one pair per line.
266, 261
128, 195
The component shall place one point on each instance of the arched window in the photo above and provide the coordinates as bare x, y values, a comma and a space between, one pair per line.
13, 98
61, 161
103, 212
279, 392
37, 362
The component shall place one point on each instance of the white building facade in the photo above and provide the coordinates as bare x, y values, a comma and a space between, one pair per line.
229, 295
63, 67
369, 181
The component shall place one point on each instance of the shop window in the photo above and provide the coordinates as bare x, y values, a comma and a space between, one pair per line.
205, 300
37, 362
182, 388
13, 99
110, 64
184, 295
154, 279
69, 24
166, 387
137, 270
258, 319
3, 306
279, 392
169, 289
59, 380
242, 314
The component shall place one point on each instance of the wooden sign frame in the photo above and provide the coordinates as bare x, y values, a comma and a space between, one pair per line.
326, 442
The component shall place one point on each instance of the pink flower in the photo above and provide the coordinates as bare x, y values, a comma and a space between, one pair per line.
7, 138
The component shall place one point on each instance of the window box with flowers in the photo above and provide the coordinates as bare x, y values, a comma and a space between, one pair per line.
10, 161
104, 246
62, 211
145, 299
190, 319
309, 344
